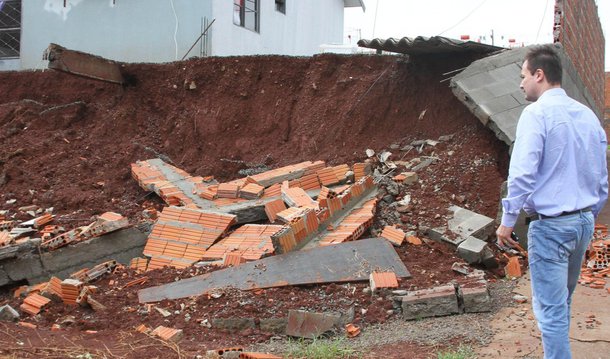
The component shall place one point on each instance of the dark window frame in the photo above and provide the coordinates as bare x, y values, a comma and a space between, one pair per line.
10, 29
280, 6
246, 14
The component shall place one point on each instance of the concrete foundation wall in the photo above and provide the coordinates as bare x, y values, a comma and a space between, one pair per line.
37, 267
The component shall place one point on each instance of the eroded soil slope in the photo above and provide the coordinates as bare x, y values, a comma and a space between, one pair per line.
67, 142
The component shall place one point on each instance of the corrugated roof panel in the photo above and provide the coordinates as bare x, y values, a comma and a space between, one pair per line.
422, 45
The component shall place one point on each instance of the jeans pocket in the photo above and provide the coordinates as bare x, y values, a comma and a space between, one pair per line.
551, 243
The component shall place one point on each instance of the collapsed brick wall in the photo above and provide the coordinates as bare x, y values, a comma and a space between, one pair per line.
578, 28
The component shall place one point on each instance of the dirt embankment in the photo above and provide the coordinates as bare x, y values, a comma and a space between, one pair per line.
67, 142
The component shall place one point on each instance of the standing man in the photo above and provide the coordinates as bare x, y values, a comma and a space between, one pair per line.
558, 175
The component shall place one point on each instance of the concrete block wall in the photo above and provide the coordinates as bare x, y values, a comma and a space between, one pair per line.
578, 28
35, 267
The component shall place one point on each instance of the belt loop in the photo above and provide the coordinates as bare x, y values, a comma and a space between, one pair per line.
539, 216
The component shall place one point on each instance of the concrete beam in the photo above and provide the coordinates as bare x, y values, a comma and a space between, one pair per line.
122, 246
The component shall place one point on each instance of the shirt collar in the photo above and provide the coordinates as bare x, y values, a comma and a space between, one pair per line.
557, 91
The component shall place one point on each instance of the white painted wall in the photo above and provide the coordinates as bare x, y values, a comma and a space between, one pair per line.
306, 25
128, 30
143, 30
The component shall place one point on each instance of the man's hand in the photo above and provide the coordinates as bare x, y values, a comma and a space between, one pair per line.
504, 237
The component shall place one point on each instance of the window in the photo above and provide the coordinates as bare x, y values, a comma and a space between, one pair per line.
280, 5
10, 28
246, 14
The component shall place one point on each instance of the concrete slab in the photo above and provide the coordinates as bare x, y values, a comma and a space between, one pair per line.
122, 246
83, 64
487, 85
346, 262
473, 250
463, 224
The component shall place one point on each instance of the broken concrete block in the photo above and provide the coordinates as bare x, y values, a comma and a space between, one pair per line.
83, 64
24, 267
463, 224
434, 302
467, 223
233, 324
423, 164
475, 297
461, 268
4, 279
274, 325
8, 314
95, 305
473, 250
310, 325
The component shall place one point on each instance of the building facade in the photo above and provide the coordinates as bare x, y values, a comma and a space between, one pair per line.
165, 30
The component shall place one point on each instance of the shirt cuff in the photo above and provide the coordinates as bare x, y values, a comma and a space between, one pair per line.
509, 220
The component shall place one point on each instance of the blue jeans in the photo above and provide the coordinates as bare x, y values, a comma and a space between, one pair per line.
556, 249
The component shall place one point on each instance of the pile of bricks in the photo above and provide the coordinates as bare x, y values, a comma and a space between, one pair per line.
34, 303
181, 236
71, 291
105, 223
250, 242
179, 242
597, 265
353, 226
15, 233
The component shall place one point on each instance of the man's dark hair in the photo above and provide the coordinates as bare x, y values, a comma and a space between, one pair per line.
546, 59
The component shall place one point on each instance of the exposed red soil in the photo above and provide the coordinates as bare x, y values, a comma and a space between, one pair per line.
70, 140
68, 143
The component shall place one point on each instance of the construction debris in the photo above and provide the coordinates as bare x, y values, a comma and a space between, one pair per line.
34, 303
347, 262
310, 325
597, 265
463, 224
8, 314
168, 334
83, 64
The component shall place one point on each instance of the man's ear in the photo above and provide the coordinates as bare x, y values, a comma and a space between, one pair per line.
539, 75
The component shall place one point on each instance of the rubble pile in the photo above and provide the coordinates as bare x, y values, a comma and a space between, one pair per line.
597, 263
282, 207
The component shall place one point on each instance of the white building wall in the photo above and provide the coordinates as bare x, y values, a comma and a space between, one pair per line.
306, 25
143, 30
126, 30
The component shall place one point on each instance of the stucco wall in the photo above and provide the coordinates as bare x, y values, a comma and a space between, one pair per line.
305, 26
143, 30
128, 30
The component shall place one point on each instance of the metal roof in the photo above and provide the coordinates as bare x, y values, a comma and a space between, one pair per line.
427, 45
